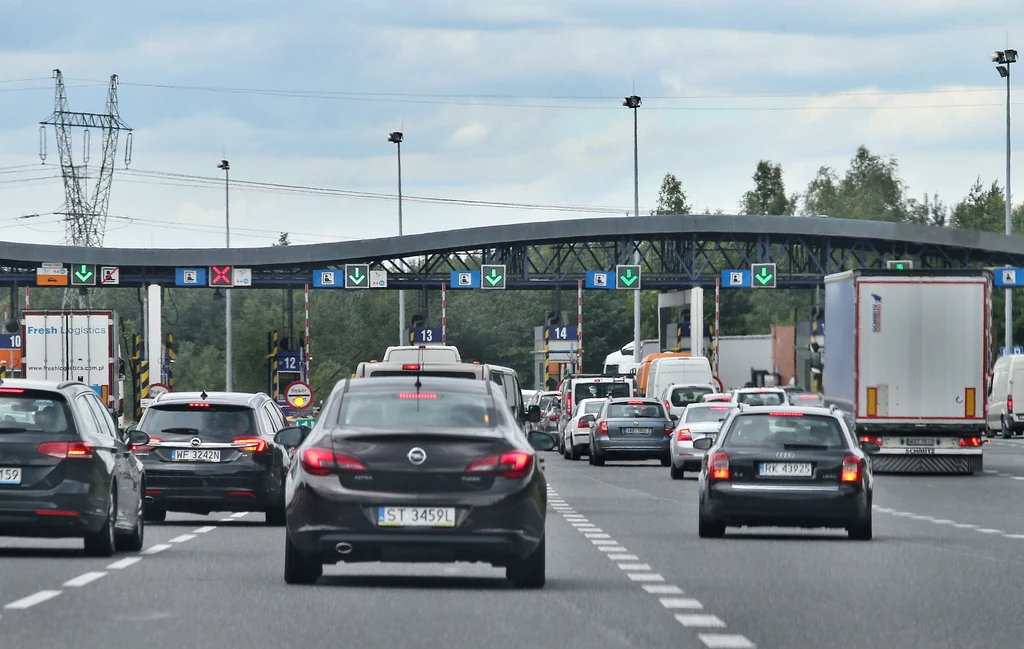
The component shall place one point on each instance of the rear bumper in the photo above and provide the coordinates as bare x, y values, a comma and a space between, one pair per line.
496, 547
69, 514
652, 448
202, 494
689, 459
784, 506
882, 463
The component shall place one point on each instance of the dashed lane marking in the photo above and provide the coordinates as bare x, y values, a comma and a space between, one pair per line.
642, 574
156, 549
32, 600
121, 564
204, 530
182, 538
82, 580
239, 514
945, 521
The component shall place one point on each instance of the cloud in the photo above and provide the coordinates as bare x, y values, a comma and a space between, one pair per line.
469, 135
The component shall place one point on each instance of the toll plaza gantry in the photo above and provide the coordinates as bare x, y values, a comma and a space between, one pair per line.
675, 252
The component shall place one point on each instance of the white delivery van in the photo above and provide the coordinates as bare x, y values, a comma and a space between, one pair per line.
1006, 397
679, 395
675, 370
422, 354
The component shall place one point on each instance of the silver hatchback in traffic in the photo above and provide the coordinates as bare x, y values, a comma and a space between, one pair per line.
699, 420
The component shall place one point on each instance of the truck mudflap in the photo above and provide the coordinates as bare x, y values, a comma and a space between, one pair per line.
926, 463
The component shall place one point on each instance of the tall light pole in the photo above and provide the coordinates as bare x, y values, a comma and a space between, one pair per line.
228, 379
634, 102
1003, 60
397, 138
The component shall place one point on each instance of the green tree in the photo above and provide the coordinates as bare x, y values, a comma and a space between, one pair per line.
769, 193
871, 190
283, 240
982, 209
927, 211
671, 197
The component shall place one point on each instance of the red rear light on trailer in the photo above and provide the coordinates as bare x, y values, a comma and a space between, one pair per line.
851, 469
719, 466
867, 439
516, 464
970, 442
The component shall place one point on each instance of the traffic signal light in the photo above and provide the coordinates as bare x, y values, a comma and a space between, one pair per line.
417, 321
627, 277
762, 275
899, 264
492, 276
357, 276
83, 275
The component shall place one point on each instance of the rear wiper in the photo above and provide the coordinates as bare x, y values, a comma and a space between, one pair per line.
12, 429
806, 447
194, 431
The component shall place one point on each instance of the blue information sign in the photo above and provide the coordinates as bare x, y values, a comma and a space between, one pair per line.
561, 332
10, 341
328, 279
289, 361
735, 279
423, 336
190, 277
1017, 349
465, 279
1008, 277
600, 279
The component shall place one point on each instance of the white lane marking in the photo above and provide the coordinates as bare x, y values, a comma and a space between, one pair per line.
1014, 536
991, 471
204, 530
227, 520
1018, 477
182, 538
84, 579
634, 566
159, 547
121, 564
680, 602
33, 599
603, 542
884, 510
582, 525
699, 619
725, 641
964, 526
612, 548
239, 514
663, 589
942, 521
989, 530
623, 557
645, 576
597, 535
918, 517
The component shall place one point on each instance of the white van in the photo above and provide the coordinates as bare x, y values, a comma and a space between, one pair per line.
422, 354
1006, 397
673, 370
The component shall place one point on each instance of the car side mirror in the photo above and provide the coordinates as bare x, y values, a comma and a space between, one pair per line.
703, 443
292, 436
533, 414
590, 417
541, 441
137, 438
674, 418
870, 447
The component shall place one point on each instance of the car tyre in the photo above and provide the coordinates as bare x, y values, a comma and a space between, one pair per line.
299, 568
566, 453
1005, 430
529, 572
154, 515
861, 531
574, 453
676, 472
598, 459
134, 541
666, 461
708, 530
276, 516
102, 543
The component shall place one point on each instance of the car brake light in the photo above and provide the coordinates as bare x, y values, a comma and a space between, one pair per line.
417, 395
603, 428
635, 403
719, 466
871, 440
321, 461
851, 469
785, 414
149, 446
668, 405
516, 464
411, 367
12, 390
66, 450
683, 435
583, 423
552, 417
251, 444
198, 405
970, 441
1009, 404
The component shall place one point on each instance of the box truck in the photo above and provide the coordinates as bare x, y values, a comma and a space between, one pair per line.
76, 345
907, 359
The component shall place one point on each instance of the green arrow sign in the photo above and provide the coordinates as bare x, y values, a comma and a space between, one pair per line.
357, 276
84, 273
763, 276
629, 278
494, 277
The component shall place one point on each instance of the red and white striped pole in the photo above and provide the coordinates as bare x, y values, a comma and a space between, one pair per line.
27, 291
579, 326
444, 314
718, 288
309, 357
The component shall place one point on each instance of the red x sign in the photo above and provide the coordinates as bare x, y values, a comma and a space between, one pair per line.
220, 275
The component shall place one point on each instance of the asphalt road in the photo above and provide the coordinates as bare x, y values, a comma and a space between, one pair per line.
625, 570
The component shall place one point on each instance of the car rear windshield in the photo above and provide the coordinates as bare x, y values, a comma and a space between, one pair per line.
451, 374
545, 401
592, 407
209, 421
603, 390
782, 431
636, 410
422, 356
412, 410
761, 398
685, 396
703, 415
34, 411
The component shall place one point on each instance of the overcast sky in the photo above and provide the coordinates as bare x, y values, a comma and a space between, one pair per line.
517, 101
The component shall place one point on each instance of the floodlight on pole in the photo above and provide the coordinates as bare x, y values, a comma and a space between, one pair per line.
633, 102
228, 373
1003, 60
396, 138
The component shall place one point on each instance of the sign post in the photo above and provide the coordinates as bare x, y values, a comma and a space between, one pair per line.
299, 395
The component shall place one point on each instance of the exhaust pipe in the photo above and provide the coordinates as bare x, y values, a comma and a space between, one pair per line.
343, 548
149, 499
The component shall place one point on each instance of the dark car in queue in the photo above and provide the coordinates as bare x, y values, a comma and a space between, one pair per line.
66, 470
212, 452
785, 466
631, 429
417, 469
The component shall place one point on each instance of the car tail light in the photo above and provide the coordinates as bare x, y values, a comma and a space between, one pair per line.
321, 461
583, 423
66, 450
199, 405
719, 466
11, 391
516, 464
1009, 405
785, 414
851, 469
669, 427
867, 439
552, 417
417, 395
148, 447
668, 405
970, 441
250, 444
411, 367
603, 428
684, 435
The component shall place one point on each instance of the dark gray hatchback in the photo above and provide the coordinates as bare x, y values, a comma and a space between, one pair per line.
631, 428
214, 452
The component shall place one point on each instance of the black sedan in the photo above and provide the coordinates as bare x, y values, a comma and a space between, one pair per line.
214, 452
66, 470
416, 469
631, 428
785, 466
